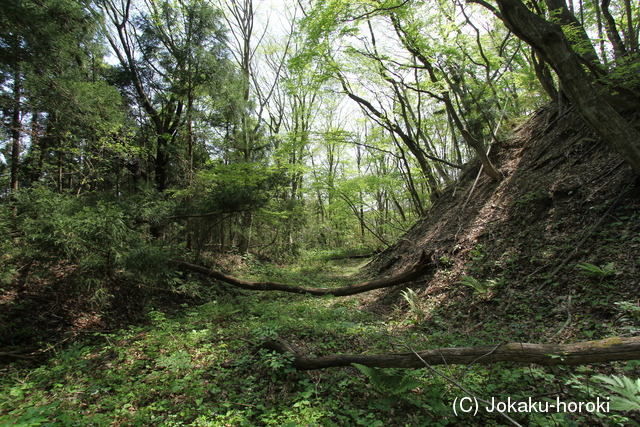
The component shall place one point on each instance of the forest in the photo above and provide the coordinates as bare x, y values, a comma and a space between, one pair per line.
319, 213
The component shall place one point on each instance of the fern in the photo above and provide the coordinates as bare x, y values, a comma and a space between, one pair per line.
627, 389
474, 283
415, 304
394, 381
593, 270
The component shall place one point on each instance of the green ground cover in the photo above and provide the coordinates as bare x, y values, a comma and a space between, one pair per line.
202, 366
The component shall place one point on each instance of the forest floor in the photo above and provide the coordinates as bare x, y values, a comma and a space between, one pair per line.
548, 255
197, 361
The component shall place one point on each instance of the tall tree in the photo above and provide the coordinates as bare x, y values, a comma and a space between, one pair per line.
49, 58
168, 51
399, 90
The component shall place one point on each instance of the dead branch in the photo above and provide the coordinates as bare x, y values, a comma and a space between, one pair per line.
457, 384
412, 273
357, 256
582, 353
12, 355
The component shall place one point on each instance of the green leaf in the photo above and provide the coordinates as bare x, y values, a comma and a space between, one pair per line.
393, 381
627, 389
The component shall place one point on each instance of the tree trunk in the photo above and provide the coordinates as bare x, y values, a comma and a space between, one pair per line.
444, 97
244, 240
548, 39
60, 170
589, 56
162, 164
15, 129
544, 76
418, 270
582, 353
489, 169
603, 51
631, 42
619, 48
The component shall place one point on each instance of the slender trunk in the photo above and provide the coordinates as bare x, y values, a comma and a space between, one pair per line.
632, 42
581, 5
162, 165
38, 148
603, 51
398, 207
60, 163
190, 138
612, 31
444, 97
489, 169
246, 223
454, 140
415, 196
15, 130
544, 75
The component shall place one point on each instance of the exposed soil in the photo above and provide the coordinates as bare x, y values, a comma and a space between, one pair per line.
566, 199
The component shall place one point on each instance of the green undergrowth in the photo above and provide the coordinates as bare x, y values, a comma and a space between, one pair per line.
317, 269
204, 367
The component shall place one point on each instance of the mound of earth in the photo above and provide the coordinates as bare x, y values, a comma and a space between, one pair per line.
556, 242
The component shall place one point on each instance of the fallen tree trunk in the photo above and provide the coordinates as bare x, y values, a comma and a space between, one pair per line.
12, 355
582, 353
412, 273
359, 256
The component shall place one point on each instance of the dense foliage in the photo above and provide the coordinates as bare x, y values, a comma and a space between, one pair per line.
339, 130
137, 132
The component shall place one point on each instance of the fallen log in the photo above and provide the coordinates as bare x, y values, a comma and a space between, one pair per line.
12, 355
412, 273
358, 256
582, 353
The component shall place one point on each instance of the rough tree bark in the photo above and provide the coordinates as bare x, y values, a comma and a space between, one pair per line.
549, 40
582, 353
417, 270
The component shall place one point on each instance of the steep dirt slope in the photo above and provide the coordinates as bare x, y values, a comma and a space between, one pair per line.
565, 199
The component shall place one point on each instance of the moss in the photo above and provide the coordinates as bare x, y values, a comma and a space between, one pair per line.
608, 342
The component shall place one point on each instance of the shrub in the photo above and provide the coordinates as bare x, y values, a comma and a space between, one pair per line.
100, 236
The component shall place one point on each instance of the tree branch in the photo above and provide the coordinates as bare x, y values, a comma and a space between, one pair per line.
412, 273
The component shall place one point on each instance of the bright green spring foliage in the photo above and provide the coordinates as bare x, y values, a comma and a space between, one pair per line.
192, 369
627, 390
394, 381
